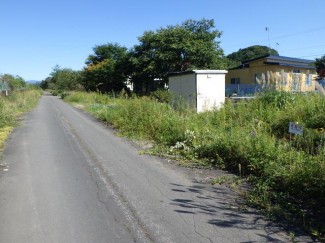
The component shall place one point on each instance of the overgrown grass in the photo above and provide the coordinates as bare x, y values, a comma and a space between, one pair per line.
11, 107
252, 139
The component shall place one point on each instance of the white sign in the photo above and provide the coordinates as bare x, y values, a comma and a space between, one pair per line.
295, 128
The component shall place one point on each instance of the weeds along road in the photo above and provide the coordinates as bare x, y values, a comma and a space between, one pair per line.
70, 179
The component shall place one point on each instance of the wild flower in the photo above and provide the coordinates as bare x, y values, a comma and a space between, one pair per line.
189, 135
187, 143
178, 146
320, 130
253, 134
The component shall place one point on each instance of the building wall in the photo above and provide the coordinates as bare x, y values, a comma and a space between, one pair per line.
184, 86
257, 63
210, 91
247, 75
299, 79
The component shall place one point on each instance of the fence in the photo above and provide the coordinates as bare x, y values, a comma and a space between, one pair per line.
246, 91
243, 90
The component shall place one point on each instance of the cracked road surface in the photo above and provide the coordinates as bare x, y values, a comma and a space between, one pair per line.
71, 179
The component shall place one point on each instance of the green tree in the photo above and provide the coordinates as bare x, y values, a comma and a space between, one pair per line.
320, 67
14, 82
107, 69
64, 79
18, 83
45, 84
191, 45
249, 53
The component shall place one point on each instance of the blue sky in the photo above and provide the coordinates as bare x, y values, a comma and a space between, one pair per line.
36, 35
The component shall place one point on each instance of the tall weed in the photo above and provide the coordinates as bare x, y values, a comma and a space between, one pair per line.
12, 106
16, 103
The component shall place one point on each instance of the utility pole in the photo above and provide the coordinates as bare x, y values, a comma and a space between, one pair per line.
268, 34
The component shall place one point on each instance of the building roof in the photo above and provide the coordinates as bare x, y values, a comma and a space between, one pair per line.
279, 60
290, 65
199, 72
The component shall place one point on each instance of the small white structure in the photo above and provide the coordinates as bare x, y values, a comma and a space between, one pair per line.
202, 89
129, 85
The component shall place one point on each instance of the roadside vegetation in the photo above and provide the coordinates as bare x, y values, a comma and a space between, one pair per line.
250, 139
12, 82
12, 107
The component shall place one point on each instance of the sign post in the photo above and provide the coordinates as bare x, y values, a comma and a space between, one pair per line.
295, 128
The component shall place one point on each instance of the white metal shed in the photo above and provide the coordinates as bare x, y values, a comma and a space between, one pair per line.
202, 89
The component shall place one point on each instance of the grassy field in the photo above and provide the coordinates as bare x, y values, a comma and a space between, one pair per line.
10, 109
250, 139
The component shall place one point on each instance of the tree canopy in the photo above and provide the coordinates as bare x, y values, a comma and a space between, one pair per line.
107, 68
63, 79
14, 82
236, 58
45, 84
176, 48
320, 67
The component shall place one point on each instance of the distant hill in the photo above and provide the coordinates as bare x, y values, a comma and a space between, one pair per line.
32, 81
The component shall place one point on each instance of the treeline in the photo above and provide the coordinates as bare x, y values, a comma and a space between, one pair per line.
191, 45
175, 48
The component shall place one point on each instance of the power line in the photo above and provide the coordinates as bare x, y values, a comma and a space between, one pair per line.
280, 37
318, 54
315, 53
303, 48
310, 56
299, 33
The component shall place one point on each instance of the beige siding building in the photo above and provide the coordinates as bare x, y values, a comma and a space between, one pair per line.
289, 74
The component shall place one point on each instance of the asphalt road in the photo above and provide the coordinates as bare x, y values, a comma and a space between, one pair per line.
69, 178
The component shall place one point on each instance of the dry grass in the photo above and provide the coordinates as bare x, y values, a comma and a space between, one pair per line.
4, 133
10, 109
282, 81
319, 88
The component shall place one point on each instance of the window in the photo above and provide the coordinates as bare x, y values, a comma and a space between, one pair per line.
295, 85
309, 79
260, 78
235, 81
296, 71
283, 78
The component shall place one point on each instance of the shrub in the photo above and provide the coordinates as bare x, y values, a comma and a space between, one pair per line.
163, 96
64, 94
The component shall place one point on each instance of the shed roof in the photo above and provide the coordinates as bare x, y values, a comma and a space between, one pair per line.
199, 72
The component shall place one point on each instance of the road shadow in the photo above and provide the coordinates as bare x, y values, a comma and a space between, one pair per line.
222, 208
